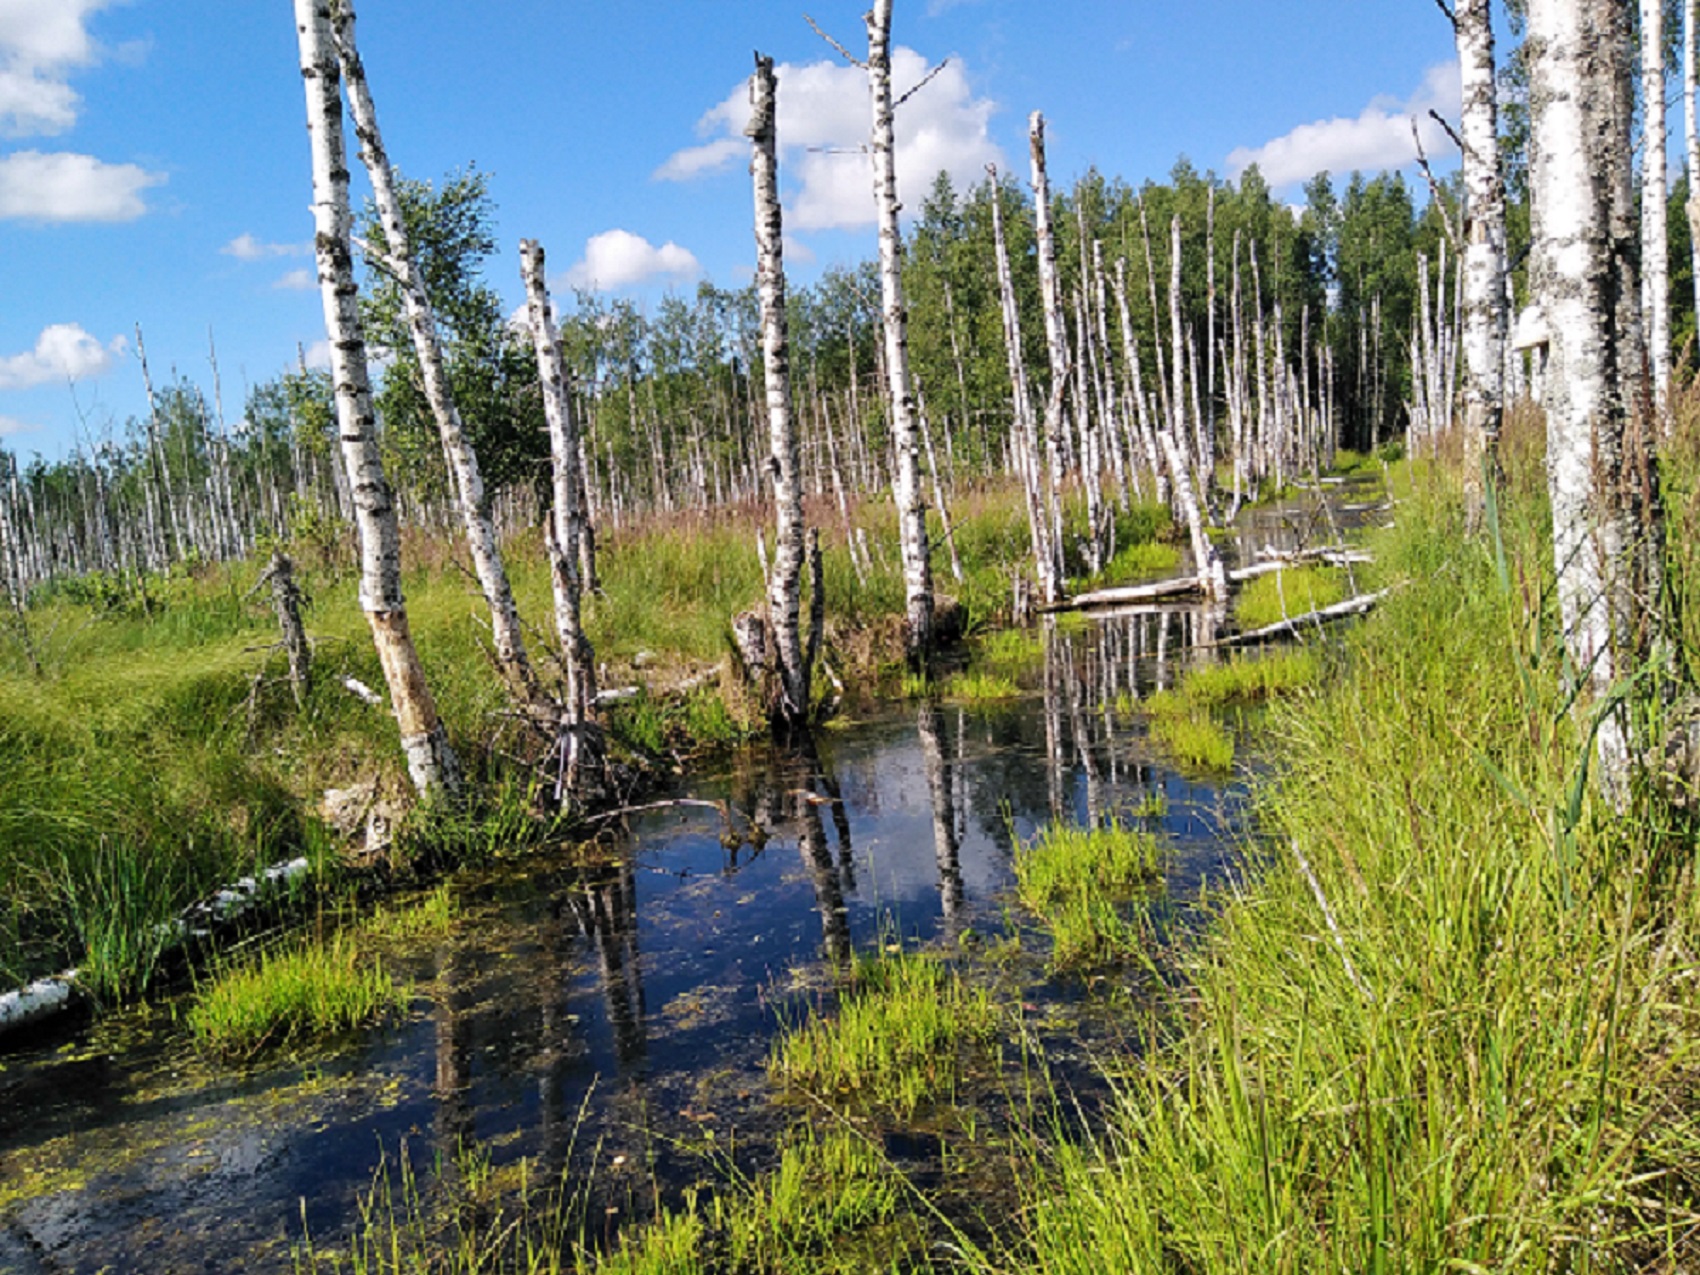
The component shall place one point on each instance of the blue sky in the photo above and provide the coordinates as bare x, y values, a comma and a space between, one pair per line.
154, 165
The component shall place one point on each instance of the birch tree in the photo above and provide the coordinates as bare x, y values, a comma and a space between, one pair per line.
565, 526
906, 443
1691, 137
398, 260
1485, 319
1603, 479
1056, 335
431, 762
1655, 249
785, 581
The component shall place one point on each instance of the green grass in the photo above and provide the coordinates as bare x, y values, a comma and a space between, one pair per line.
977, 686
1188, 731
1480, 1053
1080, 880
895, 1040
1245, 679
804, 1214
432, 916
312, 990
1281, 595
1142, 560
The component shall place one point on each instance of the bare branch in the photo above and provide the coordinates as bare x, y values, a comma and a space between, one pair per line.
1452, 235
843, 52
1450, 16
926, 79
1451, 132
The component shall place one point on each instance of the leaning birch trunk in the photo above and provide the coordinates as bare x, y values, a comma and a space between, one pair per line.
1056, 334
905, 435
1655, 250
566, 530
1026, 442
1603, 479
1485, 319
398, 260
1212, 576
430, 761
785, 582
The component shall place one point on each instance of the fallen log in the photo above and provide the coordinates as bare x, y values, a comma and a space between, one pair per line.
1291, 628
1183, 587
47, 997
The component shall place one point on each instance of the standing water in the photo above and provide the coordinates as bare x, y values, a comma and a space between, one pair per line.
610, 1020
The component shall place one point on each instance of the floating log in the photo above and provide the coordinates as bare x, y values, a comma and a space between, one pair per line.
1291, 628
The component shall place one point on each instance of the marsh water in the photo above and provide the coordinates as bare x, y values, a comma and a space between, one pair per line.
613, 1021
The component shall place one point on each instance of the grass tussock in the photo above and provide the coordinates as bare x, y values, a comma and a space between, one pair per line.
978, 686
1080, 881
1281, 595
312, 990
1186, 729
895, 1039
1479, 1052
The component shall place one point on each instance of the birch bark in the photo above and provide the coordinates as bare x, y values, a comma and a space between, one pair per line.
1691, 136
1026, 444
431, 762
1655, 250
785, 583
470, 493
1056, 335
1603, 479
906, 444
1485, 319
566, 525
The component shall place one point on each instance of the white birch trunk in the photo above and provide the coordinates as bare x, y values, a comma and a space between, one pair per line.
430, 760
785, 584
566, 522
1607, 530
470, 495
1691, 137
1026, 445
1056, 336
1655, 248
906, 476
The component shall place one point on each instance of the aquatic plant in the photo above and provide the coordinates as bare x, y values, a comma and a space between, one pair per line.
1281, 595
894, 1039
301, 991
1081, 881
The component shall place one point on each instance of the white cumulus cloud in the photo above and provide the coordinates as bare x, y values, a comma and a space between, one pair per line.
618, 258
63, 352
297, 281
823, 116
41, 42
69, 187
12, 425
247, 248
318, 356
1377, 137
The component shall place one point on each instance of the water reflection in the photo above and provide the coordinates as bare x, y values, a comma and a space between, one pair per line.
626, 1002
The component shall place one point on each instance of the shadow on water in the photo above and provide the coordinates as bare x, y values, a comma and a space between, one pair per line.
610, 1019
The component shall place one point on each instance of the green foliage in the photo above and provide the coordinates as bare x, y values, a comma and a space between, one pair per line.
289, 995
1472, 1054
1188, 731
1282, 595
978, 687
895, 1041
1079, 880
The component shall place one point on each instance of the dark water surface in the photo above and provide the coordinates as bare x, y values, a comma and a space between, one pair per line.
612, 1019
